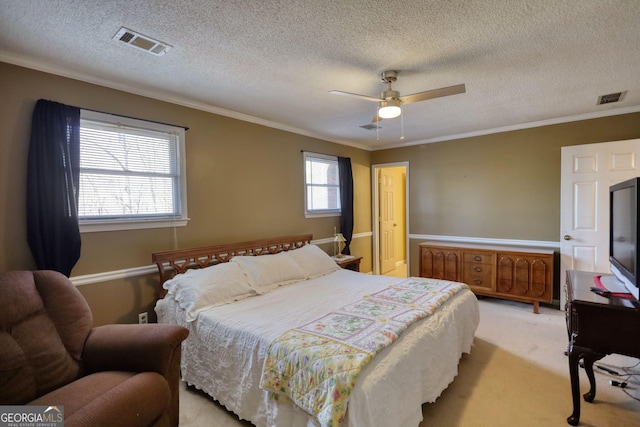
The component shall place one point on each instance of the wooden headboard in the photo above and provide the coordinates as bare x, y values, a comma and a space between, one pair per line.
180, 260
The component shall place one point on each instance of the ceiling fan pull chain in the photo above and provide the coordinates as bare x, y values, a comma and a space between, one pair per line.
377, 128
401, 123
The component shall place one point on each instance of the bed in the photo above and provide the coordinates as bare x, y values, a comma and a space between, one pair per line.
238, 300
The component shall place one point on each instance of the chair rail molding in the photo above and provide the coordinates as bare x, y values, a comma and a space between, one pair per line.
105, 276
483, 240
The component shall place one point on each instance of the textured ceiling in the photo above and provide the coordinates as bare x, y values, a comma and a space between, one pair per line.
274, 62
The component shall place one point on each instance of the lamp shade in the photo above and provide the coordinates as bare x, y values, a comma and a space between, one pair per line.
339, 238
389, 109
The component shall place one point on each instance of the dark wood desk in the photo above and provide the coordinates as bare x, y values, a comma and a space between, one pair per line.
597, 326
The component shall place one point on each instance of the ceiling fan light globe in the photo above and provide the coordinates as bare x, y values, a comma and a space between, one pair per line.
389, 108
389, 111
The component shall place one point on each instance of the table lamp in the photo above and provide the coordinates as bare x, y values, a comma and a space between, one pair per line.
338, 244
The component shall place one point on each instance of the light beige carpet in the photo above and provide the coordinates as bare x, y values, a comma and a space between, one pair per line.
516, 375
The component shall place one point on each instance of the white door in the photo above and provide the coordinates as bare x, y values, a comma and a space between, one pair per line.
587, 172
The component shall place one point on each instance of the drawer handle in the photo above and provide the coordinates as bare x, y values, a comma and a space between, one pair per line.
477, 281
477, 269
477, 258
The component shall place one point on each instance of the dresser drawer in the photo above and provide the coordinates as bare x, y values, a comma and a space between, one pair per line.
474, 274
479, 258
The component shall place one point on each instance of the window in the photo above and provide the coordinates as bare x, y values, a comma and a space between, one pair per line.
132, 174
322, 185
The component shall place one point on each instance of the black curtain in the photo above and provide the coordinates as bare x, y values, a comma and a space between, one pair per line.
52, 186
346, 201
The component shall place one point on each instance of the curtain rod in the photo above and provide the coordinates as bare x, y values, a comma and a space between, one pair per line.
135, 118
315, 152
323, 154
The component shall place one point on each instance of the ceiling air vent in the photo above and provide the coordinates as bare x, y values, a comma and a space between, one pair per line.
140, 41
612, 97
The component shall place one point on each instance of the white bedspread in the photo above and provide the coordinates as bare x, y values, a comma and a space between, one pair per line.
225, 351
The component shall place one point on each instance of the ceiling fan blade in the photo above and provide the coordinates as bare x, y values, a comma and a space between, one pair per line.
376, 118
435, 93
355, 95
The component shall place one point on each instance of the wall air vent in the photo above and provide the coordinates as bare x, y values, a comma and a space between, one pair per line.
612, 97
140, 41
371, 126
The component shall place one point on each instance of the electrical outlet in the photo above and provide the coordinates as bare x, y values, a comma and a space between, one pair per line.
143, 318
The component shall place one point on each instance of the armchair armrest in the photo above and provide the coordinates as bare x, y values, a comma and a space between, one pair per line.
139, 348
134, 348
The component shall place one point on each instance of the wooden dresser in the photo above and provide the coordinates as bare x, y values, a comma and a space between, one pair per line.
508, 272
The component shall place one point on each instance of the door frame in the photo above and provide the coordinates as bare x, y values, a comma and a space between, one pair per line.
375, 213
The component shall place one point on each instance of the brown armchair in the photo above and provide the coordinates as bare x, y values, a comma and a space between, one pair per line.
113, 375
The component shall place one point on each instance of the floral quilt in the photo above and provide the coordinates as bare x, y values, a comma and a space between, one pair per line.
316, 365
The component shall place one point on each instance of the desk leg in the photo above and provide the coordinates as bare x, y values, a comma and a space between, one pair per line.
589, 359
574, 359
575, 355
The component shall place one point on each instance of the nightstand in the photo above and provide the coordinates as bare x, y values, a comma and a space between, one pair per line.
349, 262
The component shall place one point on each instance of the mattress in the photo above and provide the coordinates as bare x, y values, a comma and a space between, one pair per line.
226, 348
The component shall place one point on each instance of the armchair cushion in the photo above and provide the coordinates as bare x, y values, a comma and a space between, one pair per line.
90, 401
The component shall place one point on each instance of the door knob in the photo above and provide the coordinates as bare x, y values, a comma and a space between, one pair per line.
566, 237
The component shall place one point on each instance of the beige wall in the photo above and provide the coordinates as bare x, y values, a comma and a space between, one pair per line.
244, 182
503, 186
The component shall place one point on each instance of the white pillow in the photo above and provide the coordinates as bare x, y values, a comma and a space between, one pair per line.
267, 272
199, 289
313, 261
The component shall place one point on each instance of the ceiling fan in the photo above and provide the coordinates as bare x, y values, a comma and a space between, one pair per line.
390, 100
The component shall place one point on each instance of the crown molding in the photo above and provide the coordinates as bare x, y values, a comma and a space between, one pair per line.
72, 74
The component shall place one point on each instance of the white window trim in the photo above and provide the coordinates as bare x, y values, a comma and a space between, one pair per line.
318, 214
90, 226
321, 214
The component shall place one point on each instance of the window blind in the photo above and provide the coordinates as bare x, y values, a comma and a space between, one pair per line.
127, 172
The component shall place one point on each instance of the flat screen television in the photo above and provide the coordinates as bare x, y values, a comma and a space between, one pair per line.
624, 237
